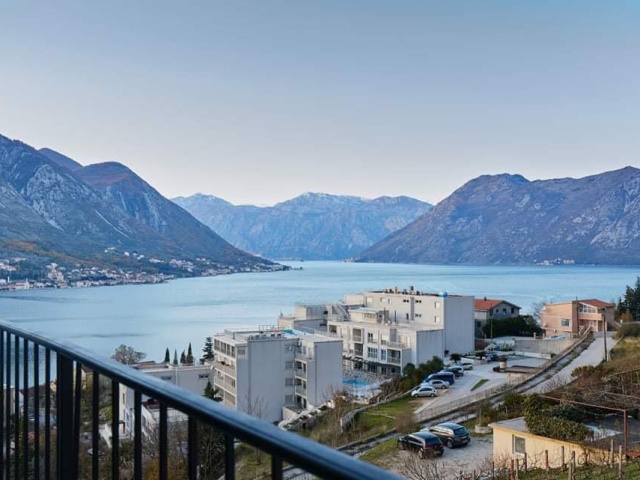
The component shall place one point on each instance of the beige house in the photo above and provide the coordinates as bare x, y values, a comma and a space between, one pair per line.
512, 440
576, 317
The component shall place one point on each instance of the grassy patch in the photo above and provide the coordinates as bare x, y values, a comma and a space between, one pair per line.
627, 347
481, 382
379, 454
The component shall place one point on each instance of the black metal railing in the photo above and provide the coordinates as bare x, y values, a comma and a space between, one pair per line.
59, 436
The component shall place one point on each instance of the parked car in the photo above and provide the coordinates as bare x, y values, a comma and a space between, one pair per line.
457, 370
446, 376
425, 443
424, 391
451, 434
467, 365
435, 383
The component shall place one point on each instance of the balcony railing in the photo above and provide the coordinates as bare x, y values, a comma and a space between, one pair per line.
301, 373
48, 443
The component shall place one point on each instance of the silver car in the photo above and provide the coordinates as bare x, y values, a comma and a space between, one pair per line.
441, 384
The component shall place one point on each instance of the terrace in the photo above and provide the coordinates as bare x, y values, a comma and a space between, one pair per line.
52, 444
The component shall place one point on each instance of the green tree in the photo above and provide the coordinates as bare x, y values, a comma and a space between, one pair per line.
175, 357
207, 350
190, 355
629, 304
183, 358
128, 355
167, 356
455, 357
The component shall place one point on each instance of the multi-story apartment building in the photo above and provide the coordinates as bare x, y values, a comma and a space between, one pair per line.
373, 343
190, 377
384, 330
262, 370
576, 316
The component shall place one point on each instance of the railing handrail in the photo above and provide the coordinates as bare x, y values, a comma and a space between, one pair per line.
303, 453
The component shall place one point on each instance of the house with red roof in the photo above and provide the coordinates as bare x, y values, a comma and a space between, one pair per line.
493, 309
576, 317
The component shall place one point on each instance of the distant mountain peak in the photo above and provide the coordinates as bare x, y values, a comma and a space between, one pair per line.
60, 159
508, 219
312, 225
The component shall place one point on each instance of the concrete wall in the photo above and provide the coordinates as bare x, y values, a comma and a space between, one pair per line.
428, 344
324, 373
459, 325
544, 347
264, 394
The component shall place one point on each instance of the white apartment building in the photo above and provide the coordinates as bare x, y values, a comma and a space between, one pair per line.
384, 330
263, 370
190, 377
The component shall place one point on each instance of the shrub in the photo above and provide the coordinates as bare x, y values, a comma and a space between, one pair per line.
540, 421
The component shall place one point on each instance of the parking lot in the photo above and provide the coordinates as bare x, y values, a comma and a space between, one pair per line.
463, 385
476, 456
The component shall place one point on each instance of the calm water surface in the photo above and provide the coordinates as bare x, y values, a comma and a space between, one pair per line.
153, 317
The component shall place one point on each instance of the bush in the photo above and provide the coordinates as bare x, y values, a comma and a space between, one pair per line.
540, 421
629, 330
404, 423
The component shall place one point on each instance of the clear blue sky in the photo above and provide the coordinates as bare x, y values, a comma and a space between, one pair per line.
260, 101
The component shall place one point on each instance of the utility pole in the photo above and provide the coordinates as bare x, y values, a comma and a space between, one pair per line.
604, 331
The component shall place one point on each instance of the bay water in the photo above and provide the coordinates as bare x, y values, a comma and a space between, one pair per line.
154, 317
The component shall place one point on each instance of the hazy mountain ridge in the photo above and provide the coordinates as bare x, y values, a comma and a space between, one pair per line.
54, 204
510, 220
312, 226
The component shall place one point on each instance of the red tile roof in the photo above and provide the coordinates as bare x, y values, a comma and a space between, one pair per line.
486, 304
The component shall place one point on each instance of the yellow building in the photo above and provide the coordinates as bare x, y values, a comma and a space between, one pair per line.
512, 439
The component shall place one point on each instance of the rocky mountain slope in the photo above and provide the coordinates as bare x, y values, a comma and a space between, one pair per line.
506, 219
53, 207
313, 226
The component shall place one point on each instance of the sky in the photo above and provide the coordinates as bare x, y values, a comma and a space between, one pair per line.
257, 102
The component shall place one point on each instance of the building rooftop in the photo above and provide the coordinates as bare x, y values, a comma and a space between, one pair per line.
414, 292
483, 304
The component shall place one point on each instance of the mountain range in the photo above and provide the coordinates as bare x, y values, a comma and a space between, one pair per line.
312, 226
507, 219
52, 207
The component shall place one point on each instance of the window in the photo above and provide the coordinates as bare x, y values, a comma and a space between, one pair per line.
519, 445
370, 337
565, 322
241, 351
166, 377
513, 310
418, 315
436, 305
418, 301
288, 382
383, 355
203, 375
288, 365
479, 324
372, 353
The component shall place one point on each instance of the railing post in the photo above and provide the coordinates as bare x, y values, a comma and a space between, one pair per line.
64, 421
